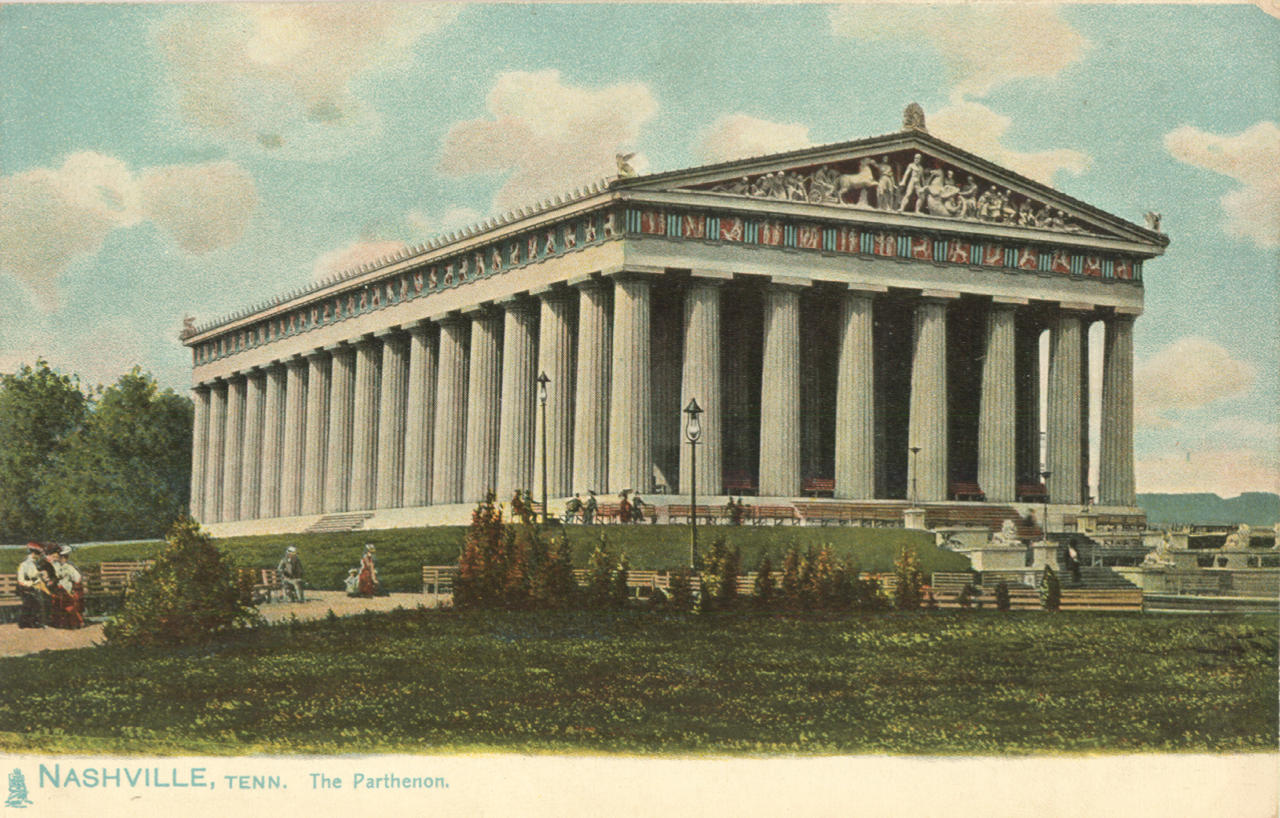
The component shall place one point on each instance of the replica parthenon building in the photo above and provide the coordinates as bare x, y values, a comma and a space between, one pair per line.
861, 320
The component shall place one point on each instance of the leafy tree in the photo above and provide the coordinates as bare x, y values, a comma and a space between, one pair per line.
824, 578
1050, 590
910, 580
552, 584
126, 472
762, 591
190, 596
1003, 602
680, 590
600, 569
791, 576
39, 410
720, 576
483, 563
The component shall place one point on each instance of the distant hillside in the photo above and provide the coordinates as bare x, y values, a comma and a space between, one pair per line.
1256, 508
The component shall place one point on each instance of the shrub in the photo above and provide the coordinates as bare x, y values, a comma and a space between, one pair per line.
600, 571
190, 595
1002, 596
791, 577
680, 591
1050, 590
552, 585
762, 591
720, 574
620, 592
910, 585
823, 580
965, 598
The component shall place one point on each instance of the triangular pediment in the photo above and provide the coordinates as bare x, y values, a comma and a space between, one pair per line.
909, 173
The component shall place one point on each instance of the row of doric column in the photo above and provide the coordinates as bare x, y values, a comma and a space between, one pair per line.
445, 411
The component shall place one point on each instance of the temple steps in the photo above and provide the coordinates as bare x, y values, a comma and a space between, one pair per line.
339, 523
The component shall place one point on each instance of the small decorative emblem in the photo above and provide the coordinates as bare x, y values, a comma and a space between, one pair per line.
17, 791
913, 118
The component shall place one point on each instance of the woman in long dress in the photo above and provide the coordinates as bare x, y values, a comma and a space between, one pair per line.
68, 594
368, 582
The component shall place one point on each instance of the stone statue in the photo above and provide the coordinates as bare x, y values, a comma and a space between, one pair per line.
860, 182
1238, 540
1160, 557
913, 118
912, 182
1007, 535
822, 185
1153, 220
188, 327
625, 171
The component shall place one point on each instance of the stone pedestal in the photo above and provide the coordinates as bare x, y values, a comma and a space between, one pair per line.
913, 518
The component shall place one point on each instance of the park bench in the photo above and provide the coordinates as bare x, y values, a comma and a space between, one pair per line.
967, 491
823, 513
708, 515
774, 515
10, 605
112, 578
816, 486
1032, 493
738, 482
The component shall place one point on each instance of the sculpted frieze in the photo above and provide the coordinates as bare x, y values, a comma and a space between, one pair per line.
903, 182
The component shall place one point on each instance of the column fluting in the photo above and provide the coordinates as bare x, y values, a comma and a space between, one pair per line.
591, 408
364, 425
317, 429
484, 394
519, 397
199, 450
1115, 454
780, 393
451, 412
217, 436
233, 449
927, 424
631, 452
997, 417
251, 466
700, 380
337, 467
294, 438
556, 358
1063, 431
391, 420
855, 399
420, 404
272, 440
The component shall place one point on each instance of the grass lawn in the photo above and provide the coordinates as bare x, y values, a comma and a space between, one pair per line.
653, 682
403, 552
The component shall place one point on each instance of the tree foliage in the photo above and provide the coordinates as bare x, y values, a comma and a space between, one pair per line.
720, 574
908, 592
762, 591
510, 565
190, 596
39, 410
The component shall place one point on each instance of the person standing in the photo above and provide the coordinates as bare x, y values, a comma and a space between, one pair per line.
290, 572
589, 509
33, 590
68, 595
572, 509
368, 581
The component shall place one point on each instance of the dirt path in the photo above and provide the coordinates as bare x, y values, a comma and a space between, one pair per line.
15, 641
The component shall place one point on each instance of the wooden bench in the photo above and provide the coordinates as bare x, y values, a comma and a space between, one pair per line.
823, 513
1032, 493
109, 578
775, 515
708, 515
967, 491
10, 605
815, 486
739, 483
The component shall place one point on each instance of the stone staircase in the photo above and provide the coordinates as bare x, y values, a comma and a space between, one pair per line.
339, 523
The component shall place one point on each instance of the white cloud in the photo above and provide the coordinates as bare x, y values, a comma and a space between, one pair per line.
52, 216
981, 45
353, 255
549, 136
1227, 472
1251, 158
1187, 374
735, 136
279, 76
978, 129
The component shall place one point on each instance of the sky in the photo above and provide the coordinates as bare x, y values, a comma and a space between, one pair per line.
159, 161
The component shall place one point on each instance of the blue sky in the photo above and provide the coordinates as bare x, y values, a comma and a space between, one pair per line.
164, 160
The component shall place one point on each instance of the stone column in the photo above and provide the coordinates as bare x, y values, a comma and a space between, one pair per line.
484, 393
519, 397
555, 357
855, 399
213, 468
294, 437
1085, 323
927, 423
233, 447
591, 415
337, 466
391, 420
317, 438
700, 380
199, 451
780, 393
451, 412
251, 468
1063, 432
1028, 374
364, 425
272, 439
997, 408
420, 415
630, 451
1115, 454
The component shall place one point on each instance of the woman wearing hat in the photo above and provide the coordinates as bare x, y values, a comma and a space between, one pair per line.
34, 589
368, 583
68, 594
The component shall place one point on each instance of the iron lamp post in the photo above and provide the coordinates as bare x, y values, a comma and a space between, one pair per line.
543, 380
693, 431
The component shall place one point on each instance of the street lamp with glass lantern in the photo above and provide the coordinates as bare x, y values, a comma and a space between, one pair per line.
915, 475
693, 431
543, 380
